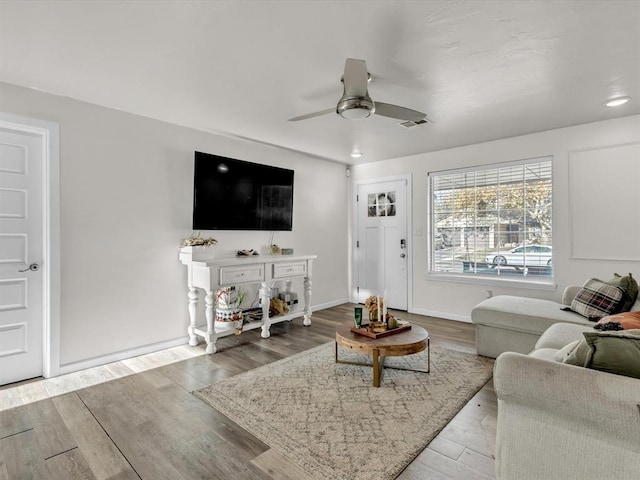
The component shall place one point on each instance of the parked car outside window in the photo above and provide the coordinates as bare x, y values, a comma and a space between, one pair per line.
529, 256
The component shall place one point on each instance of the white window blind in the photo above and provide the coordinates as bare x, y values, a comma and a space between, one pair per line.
493, 221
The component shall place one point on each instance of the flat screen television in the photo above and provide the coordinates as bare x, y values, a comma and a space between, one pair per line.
230, 194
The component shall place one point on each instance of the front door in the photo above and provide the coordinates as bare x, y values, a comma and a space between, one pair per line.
382, 248
21, 246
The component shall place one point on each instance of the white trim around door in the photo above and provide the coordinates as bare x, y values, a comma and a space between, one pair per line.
49, 135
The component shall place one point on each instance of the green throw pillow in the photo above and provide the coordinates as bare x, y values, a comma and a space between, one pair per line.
629, 285
615, 352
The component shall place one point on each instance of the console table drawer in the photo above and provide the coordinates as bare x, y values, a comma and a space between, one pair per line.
293, 269
244, 274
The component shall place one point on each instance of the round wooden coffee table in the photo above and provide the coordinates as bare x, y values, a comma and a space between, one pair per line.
399, 344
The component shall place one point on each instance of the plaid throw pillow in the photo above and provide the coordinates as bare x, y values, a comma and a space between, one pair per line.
597, 299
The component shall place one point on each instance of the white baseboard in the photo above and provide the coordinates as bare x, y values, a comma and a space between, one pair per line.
334, 303
118, 356
136, 352
445, 315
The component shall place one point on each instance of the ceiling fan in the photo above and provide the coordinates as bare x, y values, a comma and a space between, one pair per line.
356, 102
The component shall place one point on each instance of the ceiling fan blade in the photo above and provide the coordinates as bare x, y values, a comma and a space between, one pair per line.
355, 78
312, 115
399, 113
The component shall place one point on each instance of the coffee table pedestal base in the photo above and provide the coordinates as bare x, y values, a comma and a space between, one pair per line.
378, 355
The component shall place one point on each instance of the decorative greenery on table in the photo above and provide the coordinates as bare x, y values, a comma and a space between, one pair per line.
197, 240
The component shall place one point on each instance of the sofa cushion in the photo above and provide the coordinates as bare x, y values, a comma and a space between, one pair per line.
615, 352
544, 354
630, 287
564, 352
530, 315
561, 334
598, 299
627, 320
579, 354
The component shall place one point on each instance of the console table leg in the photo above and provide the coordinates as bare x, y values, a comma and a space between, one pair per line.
307, 302
193, 304
265, 331
264, 302
210, 336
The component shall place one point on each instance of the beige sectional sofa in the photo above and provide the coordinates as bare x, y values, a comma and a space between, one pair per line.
559, 421
508, 323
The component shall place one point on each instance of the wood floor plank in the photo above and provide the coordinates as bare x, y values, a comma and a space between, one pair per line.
418, 471
447, 447
127, 475
277, 467
101, 454
22, 457
69, 465
451, 469
465, 433
480, 463
191, 374
14, 421
51, 432
138, 443
217, 460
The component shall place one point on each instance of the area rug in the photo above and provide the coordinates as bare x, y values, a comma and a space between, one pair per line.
329, 420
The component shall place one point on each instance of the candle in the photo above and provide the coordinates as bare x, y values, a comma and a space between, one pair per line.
384, 306
378, 307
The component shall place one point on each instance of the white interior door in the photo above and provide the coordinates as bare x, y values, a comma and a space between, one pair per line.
21, 245
382, 249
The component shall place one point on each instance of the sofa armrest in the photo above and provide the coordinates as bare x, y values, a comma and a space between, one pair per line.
569, 294
582, 423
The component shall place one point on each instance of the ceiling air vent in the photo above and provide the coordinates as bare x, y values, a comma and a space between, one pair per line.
410, 124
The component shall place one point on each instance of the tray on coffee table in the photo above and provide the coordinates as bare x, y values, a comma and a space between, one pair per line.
364, 330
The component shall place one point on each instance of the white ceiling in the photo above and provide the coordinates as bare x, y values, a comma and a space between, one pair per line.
481, 70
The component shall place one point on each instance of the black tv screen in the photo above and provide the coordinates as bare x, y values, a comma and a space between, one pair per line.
230, 194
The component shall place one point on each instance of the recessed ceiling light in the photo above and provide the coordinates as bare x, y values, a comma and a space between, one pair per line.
356, 154
616, 101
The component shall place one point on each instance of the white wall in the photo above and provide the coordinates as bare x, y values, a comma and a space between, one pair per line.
126, 197
455, 300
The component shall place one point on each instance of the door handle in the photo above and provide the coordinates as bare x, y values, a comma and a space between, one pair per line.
34, 267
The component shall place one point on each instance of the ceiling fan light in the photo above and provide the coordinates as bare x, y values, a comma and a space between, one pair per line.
355, 108
616, 101
355, 113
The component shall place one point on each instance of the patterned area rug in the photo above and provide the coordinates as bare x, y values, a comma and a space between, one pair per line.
329, 420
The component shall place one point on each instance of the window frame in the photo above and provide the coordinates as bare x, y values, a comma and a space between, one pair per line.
544, 282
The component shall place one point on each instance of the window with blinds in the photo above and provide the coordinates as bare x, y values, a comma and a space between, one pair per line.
495, 220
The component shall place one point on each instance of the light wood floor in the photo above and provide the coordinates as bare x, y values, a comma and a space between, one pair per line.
138, 420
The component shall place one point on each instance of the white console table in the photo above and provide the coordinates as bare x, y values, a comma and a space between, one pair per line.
266, 270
